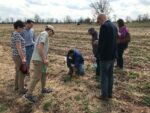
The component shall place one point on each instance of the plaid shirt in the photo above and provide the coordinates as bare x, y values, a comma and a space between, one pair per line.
16, 37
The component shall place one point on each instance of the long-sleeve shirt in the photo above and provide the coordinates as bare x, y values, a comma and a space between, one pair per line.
94, 45
107, 41
123, 32
77, 59
29, 37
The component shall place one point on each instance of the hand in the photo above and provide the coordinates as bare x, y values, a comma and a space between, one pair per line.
23, 60
45, 61
72, 65
93, 59
95, 42
119, 34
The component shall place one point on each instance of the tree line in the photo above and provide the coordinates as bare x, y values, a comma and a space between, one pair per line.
97, 7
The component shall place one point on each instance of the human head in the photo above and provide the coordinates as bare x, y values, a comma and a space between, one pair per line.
120, 22
91, 31
70, 53
18, 26
50, 30
101, 18
29, 24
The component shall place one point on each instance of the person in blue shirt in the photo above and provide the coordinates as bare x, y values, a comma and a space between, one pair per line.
75, 62
29, 37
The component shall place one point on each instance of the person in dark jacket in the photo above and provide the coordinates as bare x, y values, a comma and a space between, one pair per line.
107, 54
75, 62
94, 43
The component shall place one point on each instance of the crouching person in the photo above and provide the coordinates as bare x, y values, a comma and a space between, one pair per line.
75, 62
40, 62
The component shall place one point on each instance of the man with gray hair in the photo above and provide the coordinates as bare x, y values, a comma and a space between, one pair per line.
106, 53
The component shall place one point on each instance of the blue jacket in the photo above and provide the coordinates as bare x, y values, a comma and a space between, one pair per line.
77, 59
107, 41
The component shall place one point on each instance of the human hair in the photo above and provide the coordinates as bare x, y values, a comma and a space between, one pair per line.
91, 30
120, 22
18, 24
70, 52
29, 21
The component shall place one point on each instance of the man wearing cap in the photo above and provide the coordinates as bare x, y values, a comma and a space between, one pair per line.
29, 37
40, 62
94, 43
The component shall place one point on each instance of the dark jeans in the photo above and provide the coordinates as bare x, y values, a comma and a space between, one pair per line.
106, 74
120, 51
29, 51
98, 67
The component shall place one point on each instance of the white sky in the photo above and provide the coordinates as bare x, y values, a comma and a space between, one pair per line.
19, 9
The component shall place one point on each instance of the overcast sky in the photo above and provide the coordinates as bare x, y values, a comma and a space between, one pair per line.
75, 8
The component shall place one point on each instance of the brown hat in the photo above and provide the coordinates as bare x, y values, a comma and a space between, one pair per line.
50, 27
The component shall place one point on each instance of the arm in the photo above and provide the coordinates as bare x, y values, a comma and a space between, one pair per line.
34, 37
20, 52
41, 52
42, 40
101, 42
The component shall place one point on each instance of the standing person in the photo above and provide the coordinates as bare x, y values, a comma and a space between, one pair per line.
19, 55
122, 42
40, 62
29, 37
106, 54
75, 62
94, 43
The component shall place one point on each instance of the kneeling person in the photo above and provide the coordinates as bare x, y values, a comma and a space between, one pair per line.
75, 62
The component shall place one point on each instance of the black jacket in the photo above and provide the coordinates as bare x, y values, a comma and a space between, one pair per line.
107, 42
94, 46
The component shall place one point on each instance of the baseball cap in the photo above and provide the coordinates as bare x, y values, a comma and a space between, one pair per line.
50, 27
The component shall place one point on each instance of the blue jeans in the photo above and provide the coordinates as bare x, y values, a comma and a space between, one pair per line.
29, 51
106, 74
79, 70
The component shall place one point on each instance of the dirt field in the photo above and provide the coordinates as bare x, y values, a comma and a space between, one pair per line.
131, 86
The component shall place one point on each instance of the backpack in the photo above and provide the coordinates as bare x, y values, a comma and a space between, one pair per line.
127, 39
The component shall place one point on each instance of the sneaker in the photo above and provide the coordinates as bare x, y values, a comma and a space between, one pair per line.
103, 98
47, 90
29, 98
16, 89
110, 96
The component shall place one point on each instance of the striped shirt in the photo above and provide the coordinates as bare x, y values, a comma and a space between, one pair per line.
29, 36
16, 37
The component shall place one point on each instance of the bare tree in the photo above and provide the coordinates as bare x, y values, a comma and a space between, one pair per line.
68, 19
139, 18
128, 19
11, 19
115, 17
145, 17
37, 18
7, 20
101, 6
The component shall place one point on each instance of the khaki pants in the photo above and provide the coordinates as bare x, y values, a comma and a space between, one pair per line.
19, 78
37, 76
